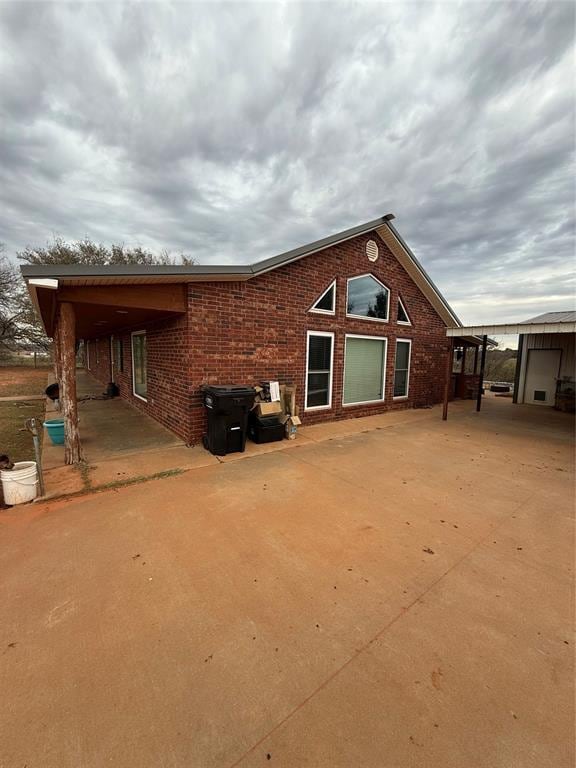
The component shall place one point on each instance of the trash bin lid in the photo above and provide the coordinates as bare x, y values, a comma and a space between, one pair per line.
234, 390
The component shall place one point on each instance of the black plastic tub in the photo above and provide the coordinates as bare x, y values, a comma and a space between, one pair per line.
265, 429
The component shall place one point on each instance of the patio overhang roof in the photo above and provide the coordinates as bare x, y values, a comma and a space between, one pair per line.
504, 329
107, 309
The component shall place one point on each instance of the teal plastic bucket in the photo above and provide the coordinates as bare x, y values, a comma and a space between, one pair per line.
55, 429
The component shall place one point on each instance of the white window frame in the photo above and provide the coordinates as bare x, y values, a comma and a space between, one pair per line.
112, 372
137, 333
402, 397
113, 340
88, 354
365, 402
331, 380
363, 317
402, 322
325, 311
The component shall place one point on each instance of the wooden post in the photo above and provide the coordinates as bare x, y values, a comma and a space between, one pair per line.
482, 366
448, 381
67, 344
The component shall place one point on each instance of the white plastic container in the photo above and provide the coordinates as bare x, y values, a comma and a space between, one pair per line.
21, 483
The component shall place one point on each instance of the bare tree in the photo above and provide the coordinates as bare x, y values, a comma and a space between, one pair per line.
61, 251
19, 326
22, 325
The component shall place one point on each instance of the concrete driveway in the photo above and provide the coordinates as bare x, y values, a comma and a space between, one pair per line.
394, 598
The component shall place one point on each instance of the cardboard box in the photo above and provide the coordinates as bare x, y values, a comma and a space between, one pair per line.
291, 427
290, 400
269, 409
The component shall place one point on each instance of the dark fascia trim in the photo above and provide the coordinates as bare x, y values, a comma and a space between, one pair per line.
63, 271
128, 270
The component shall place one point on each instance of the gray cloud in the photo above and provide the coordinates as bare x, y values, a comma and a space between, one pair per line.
235, 131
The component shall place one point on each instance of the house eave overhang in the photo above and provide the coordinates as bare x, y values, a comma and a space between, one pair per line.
504, 329
69, 275
406, 257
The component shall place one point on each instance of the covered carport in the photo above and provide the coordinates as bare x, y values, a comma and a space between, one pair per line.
545, 367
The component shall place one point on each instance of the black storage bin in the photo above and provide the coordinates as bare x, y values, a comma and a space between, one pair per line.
265, 429
227, 411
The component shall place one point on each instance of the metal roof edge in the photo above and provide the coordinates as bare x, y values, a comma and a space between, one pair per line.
504, 329
130, 270
178, 270
421, 269
294, 254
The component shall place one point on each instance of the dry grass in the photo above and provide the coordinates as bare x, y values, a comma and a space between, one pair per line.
16, 380
18, 445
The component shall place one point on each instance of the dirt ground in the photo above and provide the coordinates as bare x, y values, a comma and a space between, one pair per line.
14, 381
394, 598
18, 380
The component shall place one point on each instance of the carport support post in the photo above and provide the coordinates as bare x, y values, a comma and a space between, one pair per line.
449, 364
67, 349
482, 367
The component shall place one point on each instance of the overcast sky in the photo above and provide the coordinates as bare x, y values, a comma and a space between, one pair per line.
235, 131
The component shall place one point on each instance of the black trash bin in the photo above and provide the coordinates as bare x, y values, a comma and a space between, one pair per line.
227, 411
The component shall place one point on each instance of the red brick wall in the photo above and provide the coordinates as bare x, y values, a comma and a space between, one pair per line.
256, 330
168, 396
245, 332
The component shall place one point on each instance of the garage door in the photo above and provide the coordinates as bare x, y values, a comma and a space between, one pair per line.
541, 372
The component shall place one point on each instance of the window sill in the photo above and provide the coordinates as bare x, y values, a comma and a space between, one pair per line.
322, 312
370, 319
400, 397
363, 402
144, 399
318, 408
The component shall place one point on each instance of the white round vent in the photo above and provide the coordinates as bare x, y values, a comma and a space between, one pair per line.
371, 250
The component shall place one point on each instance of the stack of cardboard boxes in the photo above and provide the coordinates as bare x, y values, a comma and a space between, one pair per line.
275, 399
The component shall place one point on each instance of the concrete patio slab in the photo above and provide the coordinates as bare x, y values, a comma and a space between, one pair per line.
399, 597
120, 445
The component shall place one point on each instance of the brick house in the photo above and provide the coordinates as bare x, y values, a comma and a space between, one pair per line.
352, 320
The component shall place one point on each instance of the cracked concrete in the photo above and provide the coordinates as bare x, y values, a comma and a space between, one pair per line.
285, 610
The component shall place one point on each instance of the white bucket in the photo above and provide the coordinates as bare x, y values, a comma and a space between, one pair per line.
19, 484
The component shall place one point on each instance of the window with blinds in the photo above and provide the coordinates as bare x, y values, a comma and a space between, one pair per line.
402, 367
364, 369
319, 370
117, 355
139, 365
